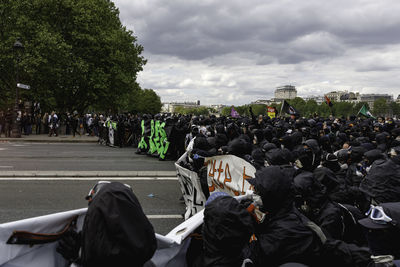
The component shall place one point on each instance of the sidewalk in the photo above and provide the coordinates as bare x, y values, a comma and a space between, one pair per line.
44, 138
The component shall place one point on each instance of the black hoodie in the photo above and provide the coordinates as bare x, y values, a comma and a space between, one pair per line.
116, 232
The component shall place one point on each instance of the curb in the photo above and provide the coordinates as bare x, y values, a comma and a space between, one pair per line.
8, 174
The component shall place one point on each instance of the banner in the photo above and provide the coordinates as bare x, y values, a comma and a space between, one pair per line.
228, 174
111, 134
171, 249
190, 185
44, 255
142, 144
271, 112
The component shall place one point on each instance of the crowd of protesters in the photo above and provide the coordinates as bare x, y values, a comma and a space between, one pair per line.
329, 191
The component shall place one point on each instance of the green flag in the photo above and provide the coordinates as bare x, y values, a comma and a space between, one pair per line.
364, 111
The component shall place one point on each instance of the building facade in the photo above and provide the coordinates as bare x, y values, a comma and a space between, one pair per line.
370, 98
171, 106
285, 92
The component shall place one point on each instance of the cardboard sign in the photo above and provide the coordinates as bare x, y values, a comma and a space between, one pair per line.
271, 112
190, 185
228, 174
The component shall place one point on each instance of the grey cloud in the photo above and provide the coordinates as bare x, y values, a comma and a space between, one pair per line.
191, 30
197, 30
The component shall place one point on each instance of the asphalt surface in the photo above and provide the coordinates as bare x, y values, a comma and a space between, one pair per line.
21, 156
36, 196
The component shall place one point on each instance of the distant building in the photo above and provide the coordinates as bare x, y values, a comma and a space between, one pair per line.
336, 96
346, 96
285, 92
266, 102
398, 99
319, 99
171, 106
370, 98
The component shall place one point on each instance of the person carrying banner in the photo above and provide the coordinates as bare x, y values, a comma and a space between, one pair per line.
115, 232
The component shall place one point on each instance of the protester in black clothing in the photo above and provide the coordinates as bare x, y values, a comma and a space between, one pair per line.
115, 231
75, 123
53, 124
2, 122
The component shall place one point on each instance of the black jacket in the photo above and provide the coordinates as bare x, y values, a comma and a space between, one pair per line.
116, 232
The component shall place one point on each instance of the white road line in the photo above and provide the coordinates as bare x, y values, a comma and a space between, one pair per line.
88, 178
166, 216
2, 148
6, 166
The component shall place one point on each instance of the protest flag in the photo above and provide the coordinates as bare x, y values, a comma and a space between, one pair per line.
365, 112
234, 113
328, 101
271, 112
289, 109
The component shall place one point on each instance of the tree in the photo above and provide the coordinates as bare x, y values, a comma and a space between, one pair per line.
380, 107
77, 53
299, 104
343, 109
395, 109
259, 109
142, 101
226, 111
310, 108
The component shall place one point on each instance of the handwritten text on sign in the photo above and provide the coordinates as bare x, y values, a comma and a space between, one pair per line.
228, 174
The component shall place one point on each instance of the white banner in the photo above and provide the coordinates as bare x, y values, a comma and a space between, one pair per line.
171, 249
190, 185
44, 255
111, 134
229, 174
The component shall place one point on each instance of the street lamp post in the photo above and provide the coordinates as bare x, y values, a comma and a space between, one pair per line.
16, 127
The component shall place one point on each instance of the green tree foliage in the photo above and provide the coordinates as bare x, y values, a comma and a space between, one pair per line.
395, 109
381, 107
259, 109
77, 53
142, 101
193, 111
226, 111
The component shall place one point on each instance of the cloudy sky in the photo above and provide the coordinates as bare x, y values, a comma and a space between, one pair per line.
234, 52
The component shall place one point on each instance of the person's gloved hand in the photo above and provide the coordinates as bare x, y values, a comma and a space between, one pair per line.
69, 245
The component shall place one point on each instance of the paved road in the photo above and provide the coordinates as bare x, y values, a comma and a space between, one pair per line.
25, 199
21, 199
75, 157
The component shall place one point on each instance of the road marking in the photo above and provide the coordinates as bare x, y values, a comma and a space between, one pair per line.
88, 178
166, 216
6, 166
2, 148
18, 145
